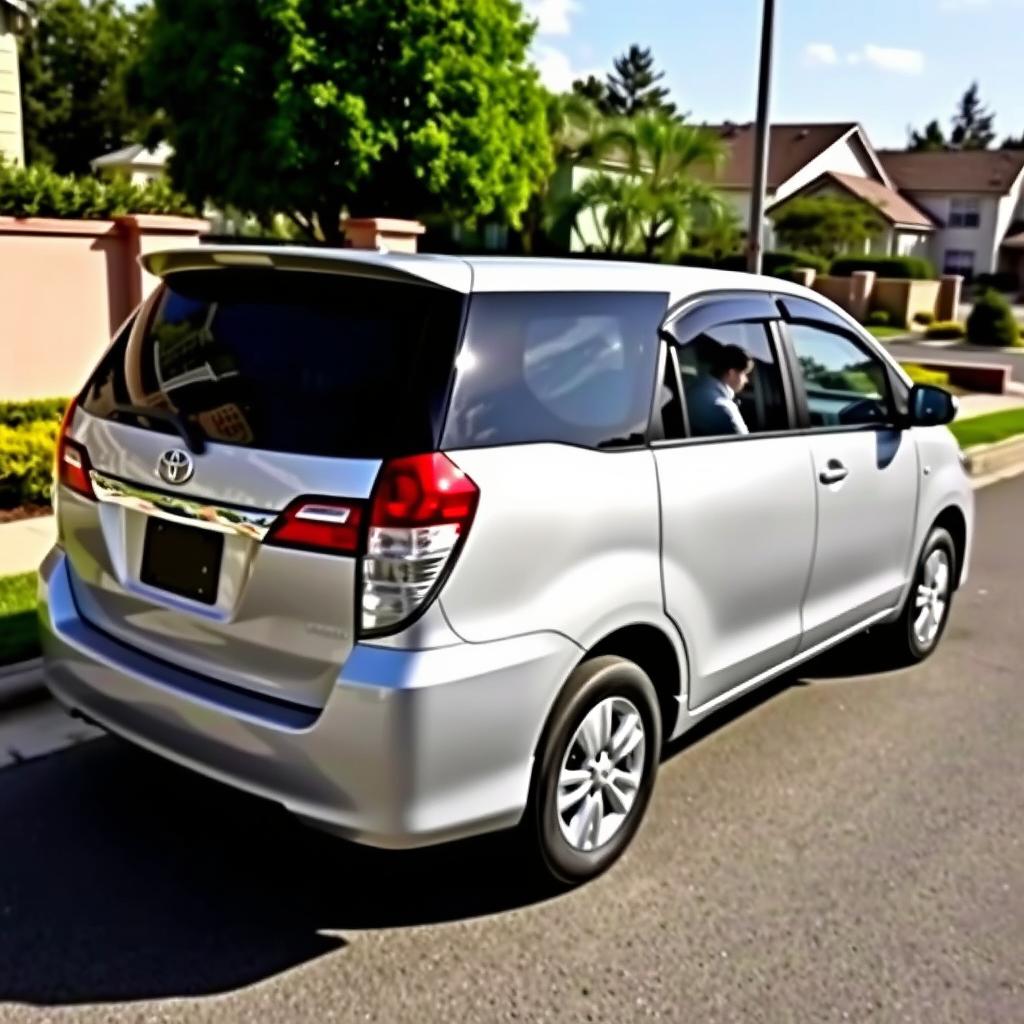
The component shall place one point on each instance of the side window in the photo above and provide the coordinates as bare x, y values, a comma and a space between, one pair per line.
577, 368
845, 385
732, 383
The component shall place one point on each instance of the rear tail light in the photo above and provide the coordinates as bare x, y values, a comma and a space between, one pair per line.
73, 460
315, 524
421, 509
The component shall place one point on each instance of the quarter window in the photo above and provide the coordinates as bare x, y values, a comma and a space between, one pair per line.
845, 386
576, 368
732, 383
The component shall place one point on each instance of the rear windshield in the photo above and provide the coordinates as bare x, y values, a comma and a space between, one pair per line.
315, 364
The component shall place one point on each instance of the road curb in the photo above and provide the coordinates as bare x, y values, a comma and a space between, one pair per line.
993, 460
21, 681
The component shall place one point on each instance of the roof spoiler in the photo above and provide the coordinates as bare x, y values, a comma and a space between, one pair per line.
451, 274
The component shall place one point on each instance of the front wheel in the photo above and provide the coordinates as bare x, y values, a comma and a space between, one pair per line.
595, 769
916, 633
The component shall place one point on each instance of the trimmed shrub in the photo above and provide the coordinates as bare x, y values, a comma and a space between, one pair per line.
944, 329
17, 414
26, 463
924, 317
777, 262
991, 322
40, 192
921, 375
903, 267
878, 318
695, 258
1001, 281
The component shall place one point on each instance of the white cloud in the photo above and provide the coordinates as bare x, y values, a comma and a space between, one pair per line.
820, 53
554, 16
556, 70
894, 58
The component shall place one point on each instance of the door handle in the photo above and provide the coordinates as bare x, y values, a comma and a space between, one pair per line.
834, 472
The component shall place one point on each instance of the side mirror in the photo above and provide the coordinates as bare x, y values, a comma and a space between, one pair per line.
930, 406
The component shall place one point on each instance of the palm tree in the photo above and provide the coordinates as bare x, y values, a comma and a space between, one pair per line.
654, 203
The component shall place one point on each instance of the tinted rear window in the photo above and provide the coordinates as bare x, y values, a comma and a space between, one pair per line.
576, 368
317, 364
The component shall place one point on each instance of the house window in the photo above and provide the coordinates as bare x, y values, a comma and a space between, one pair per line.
959, 261
963, 212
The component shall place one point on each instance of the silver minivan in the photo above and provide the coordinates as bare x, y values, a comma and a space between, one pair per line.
421, 547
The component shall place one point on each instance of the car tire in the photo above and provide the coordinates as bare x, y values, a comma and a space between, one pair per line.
917, 632
605, 725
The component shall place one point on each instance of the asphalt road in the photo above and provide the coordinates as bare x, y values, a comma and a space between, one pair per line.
846, 847
962, 353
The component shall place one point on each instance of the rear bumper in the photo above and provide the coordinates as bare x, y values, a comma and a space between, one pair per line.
411, 748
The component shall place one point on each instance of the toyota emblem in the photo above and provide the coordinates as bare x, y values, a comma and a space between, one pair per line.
176, 466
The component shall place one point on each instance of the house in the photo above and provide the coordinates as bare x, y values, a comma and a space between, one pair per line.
976, 197
14, 15
134, 163
823, 159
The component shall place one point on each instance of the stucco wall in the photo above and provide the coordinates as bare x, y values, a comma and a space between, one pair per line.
65, 286
902, 299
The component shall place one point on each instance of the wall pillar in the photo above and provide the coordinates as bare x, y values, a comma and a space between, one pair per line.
382, 233
803, 275
862, 284
947, 305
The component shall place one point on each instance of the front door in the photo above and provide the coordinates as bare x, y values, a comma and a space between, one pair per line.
866, 476
738, 509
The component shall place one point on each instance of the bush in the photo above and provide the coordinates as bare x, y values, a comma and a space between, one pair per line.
777, 263
878, 318
903, 267
16, 414
26, 463
1001, 281
39, 192
992, 323
924, 317
944, 329
921, 375
695, 258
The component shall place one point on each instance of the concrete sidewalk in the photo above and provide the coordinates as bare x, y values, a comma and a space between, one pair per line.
24, 544
981, 405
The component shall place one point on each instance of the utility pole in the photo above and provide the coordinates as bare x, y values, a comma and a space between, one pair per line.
755, 232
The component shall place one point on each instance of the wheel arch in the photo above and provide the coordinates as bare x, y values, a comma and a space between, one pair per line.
953, 520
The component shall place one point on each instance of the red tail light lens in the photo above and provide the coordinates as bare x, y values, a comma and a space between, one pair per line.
315, 524
422, 508
73, 460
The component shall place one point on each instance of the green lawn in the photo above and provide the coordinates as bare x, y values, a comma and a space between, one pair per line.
995, 426
888, 332
19, 636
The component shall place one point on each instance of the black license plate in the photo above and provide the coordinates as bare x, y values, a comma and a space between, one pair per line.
182, 560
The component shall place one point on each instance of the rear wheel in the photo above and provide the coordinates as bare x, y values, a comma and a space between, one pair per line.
916, 633
595, 769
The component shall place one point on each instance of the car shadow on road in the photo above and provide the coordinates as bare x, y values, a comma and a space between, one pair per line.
124, 877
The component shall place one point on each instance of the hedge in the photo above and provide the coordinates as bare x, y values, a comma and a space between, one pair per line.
944, 329
922, 375
992, 322
776, 263
40, 192
16, 414
26, 463
903, 267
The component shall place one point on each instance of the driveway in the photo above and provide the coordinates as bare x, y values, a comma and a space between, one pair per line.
843, 847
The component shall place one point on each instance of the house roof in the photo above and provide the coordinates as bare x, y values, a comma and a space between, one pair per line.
23, 6
954, 170
135, 156
790, 147
1014, 241
896, 209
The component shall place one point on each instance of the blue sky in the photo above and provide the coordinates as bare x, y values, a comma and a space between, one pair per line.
885, 63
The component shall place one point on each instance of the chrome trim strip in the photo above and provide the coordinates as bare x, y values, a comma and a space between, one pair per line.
205, 515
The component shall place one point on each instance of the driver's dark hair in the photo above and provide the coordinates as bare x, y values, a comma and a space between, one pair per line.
730, 357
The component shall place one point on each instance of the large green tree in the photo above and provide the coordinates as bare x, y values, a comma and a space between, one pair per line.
826, 225
375, 107
74, 63
971, 127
